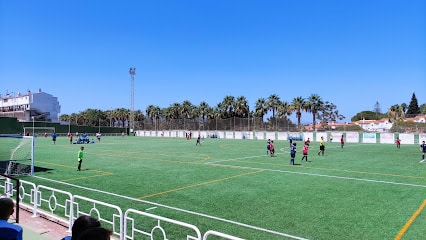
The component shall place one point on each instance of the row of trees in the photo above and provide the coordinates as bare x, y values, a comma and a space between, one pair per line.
204, 114
186, 115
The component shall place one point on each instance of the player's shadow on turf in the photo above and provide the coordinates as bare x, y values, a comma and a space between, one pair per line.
297, 164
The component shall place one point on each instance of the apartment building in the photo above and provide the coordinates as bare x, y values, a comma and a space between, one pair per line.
39, 105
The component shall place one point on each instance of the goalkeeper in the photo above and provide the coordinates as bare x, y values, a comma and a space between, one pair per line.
80, 158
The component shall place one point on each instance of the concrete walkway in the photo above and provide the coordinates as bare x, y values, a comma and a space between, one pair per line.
40, 228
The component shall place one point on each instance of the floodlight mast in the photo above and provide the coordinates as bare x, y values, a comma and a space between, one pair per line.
132, 72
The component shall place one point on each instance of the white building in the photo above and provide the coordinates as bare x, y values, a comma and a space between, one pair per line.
40, 105
382, 125
417, 119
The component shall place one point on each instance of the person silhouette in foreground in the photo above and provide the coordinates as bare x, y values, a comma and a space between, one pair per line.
8, 230
80, 225
96, 233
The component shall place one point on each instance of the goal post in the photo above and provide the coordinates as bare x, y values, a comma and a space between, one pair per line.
16, 155
38, 131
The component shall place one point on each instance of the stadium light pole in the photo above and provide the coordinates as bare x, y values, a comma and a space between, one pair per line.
33, 125
13, 104
132, 72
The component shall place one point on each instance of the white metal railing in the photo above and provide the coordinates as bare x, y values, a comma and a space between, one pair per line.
65, 207
53, 204
150, 230
95, 212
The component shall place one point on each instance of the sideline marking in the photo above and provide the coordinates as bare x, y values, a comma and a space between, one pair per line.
180, 210
199, 184
316, 168
321, 175
334, 169
410, 221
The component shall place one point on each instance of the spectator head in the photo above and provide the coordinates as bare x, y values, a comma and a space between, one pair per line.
96, 233
7, 208
83, 223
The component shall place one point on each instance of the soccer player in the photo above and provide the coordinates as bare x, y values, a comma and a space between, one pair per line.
305, 152
98, 136
268, 146
423, 149
54, 138
307, 142
292, 153
198, 141
272, 148
80, 157
398, 142
342, 141
322, 146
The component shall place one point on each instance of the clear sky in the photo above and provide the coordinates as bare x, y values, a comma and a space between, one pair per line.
350, 52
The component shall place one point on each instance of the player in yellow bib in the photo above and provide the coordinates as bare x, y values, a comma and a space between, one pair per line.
322, 147
80, 157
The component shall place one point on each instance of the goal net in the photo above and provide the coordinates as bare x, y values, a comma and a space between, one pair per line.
39, 131
16, 155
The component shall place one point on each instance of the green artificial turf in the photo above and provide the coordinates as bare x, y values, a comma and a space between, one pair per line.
363, 191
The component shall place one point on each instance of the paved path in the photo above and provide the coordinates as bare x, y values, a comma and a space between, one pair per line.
40, 228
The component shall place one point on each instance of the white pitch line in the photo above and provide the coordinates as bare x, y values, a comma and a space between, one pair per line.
321, 175
181, 210
240, 158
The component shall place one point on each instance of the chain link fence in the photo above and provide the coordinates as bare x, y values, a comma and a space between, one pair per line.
256, 124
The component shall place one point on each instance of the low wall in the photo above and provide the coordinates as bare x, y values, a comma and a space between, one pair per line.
349, 137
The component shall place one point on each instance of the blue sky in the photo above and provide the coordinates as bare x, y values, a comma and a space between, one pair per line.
350, 52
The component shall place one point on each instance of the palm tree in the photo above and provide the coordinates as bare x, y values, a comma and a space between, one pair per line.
186, 111
122, 115
272, 104
64, 117
216, 113
283, 110
241, 107
297, 106
260, 109
139, 117
203, 110
228, 106
313, 105
73, 117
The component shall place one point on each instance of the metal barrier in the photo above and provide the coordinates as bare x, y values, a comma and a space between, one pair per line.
158, 227
95, 212
65, 207
64, 203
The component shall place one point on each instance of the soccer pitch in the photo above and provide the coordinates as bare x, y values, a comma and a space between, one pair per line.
361, 191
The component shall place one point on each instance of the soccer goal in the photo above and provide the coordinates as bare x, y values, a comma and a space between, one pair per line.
38, 131
16, 155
